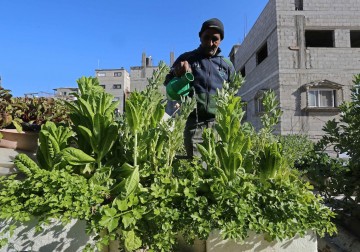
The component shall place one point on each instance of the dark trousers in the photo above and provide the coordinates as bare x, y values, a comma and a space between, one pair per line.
193, 134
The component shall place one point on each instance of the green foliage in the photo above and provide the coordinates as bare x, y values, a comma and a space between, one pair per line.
124, 179
296, 147
334, 176
29, 114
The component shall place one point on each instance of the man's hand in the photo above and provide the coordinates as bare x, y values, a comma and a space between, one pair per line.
181, 68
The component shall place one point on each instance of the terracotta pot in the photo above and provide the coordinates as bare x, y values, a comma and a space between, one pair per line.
12, 139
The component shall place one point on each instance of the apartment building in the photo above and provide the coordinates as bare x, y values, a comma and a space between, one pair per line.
307, 51
116, 82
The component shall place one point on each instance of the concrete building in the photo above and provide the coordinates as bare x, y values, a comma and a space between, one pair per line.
115, 82
65, 93
307, 51
139, 74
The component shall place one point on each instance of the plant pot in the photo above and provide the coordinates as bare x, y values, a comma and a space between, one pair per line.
12, 139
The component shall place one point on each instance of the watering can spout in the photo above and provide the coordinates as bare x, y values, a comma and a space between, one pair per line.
179, 86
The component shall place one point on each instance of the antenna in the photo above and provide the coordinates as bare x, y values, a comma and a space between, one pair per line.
245, 26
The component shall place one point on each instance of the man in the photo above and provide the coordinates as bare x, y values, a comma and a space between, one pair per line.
210, 70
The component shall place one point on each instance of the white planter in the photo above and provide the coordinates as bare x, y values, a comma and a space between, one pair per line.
71, 238
256, 242
12, 139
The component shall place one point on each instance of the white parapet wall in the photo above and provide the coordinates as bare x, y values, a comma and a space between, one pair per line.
256, 242
73, 238
55, 237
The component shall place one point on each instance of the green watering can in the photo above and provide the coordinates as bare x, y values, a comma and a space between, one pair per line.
179, 86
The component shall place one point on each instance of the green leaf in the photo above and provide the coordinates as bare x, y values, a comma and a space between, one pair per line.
76, 156
132, 182
132, 242
132, 116
122, 205
109, 220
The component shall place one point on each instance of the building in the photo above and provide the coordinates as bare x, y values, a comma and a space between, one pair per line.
119, 82
65, 93
307, 51
115, 82
139, 75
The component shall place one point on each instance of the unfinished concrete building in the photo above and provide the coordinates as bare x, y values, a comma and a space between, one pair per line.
307, 51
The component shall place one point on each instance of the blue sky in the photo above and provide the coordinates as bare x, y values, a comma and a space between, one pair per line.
46, 44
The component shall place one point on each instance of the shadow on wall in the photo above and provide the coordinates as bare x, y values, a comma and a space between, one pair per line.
55, 237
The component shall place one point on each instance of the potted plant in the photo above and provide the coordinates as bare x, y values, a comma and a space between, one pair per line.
22, 117
123, 178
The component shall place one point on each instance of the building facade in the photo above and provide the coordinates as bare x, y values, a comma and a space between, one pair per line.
115, 82
65, 93
307, 51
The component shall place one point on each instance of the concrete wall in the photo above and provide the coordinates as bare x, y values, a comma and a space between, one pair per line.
300, 65
55, 237
256, 242
290, 64
265, 74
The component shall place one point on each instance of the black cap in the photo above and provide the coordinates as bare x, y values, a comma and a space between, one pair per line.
213, 23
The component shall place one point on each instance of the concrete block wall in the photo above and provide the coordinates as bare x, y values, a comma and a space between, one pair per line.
337, 64
269, 82
331, 5
261, 30
294, 119
338, 59
319, 5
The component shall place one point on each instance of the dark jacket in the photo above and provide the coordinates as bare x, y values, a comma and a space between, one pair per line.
209, 75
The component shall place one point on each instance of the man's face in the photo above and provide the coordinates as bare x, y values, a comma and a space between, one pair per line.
210, 41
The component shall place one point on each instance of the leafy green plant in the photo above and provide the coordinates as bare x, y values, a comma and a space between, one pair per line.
125, 177
24, 113
9, 110
336, 176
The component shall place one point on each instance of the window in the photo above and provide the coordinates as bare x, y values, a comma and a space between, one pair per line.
355, 39
319, 38
242, 71
259, 105
322, 95
321, 98
244, 109
259, 97
261, 54
103, 86
117, 74
299, 4
101, 74
117, 86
